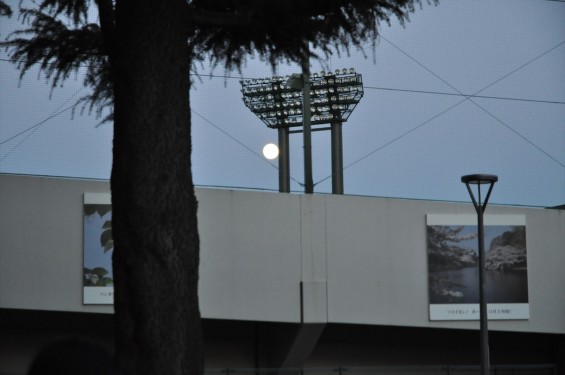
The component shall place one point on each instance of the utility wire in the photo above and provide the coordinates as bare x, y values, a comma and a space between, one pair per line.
464, 95
425, 91
492, 84
239, 142
231, 137
459, 93
394, 140
467, 97
38, 124
453, 87
408, 90
397, 89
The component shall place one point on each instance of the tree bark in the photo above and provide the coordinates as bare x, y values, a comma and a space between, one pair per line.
156, 253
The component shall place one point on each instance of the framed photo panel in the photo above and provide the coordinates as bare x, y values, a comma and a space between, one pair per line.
98, 245
453, 267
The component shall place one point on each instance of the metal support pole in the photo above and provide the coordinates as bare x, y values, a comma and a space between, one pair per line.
480, 208
306, 118
337, 158
485, 360
284, 161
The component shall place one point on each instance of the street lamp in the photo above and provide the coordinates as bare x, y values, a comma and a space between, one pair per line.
305, 101
479, 180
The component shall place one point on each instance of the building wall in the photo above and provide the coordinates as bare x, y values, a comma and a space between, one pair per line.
275, 257
377, 263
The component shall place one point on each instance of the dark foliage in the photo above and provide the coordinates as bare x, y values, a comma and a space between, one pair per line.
101, 209
225, 32
5, 10
280, 30
60, 49
443, 236
515, 237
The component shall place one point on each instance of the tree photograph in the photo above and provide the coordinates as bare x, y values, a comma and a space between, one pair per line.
453, 267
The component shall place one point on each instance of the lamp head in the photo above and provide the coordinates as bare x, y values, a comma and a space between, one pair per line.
479, 179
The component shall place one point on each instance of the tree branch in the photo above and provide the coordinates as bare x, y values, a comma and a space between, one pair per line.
5, 10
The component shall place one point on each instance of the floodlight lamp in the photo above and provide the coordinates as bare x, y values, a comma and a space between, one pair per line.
278, 100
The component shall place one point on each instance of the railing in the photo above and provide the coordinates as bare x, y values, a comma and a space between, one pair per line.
540, 369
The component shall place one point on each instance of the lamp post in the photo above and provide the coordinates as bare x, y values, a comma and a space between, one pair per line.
480, 206
304, 102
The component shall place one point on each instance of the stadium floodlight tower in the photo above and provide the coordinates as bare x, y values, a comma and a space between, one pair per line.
301, 103
480, 206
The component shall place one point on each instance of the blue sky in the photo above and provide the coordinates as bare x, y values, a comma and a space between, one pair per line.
413, 135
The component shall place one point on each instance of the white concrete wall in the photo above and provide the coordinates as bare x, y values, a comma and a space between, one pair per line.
41, 226
356, 259
377, 263
250, 255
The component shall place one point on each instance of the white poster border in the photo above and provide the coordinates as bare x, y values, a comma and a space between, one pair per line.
495, 311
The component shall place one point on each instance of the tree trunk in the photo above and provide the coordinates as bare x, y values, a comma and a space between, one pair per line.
156, 253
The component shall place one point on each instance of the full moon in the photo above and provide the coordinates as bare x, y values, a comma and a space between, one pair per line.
271, 151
